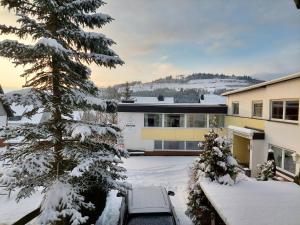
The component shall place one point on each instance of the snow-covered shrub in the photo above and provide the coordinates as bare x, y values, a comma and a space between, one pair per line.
215, 164
67, 158
266, 171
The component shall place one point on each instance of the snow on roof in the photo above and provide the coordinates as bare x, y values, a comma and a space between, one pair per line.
20, 110
255, 202
264, 84
139, 99
242, 130
209, 99
148, 200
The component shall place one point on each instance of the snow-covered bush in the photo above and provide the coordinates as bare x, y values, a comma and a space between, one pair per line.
215, 164
65, 157
266, 171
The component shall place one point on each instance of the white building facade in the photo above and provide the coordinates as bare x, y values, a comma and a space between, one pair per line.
269, 110
165, 127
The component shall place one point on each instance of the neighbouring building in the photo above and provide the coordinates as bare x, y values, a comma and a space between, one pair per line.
266, 116
169, 126
5, 113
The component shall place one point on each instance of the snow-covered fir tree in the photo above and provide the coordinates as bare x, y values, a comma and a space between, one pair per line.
127, 94
67, 158
215, 164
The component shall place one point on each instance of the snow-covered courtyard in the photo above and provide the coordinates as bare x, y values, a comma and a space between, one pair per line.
171, 172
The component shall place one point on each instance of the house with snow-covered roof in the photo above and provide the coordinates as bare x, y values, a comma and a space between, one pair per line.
165, 128
257, 119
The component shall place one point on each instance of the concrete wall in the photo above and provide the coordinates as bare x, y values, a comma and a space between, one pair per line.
131, 124
258, 155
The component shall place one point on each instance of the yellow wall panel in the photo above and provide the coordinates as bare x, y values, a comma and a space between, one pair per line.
244, 122
241, 149
175, 134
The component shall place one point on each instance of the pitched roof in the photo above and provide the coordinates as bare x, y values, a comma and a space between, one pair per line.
264, 84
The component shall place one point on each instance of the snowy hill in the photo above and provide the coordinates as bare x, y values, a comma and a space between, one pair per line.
206, 83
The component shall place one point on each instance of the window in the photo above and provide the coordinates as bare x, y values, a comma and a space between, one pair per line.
257, 109
277, 109
291, 110
285, 110
176, 145
216, 120
153, 120
277, 155
174, 120
196, 120
192, 145
235, 108
284, 159
157, 144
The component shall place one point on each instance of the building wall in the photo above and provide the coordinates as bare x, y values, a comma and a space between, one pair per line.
280, 133
283, 90
131, 125
241, 149
245, 122
138, 137
174, 134
3, 116
3, 121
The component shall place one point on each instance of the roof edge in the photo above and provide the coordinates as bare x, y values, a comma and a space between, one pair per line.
263, 84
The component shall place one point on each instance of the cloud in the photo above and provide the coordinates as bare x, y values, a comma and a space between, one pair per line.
162, 37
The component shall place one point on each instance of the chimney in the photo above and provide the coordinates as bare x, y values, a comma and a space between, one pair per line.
160, 98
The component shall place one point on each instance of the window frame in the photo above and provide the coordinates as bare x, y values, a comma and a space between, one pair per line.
215, 114
238, 109
262, 108
174, 149
164, 120
161, 119
283, 150
284, 110
206, 115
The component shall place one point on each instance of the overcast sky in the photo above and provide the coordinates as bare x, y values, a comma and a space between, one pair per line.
156, 38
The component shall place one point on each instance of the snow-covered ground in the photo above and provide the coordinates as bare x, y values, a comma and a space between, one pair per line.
11, 211
170, 172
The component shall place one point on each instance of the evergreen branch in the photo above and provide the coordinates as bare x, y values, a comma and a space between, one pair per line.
95, 20
81, 5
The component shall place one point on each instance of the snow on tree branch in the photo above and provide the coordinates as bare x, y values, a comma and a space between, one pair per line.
61, 200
